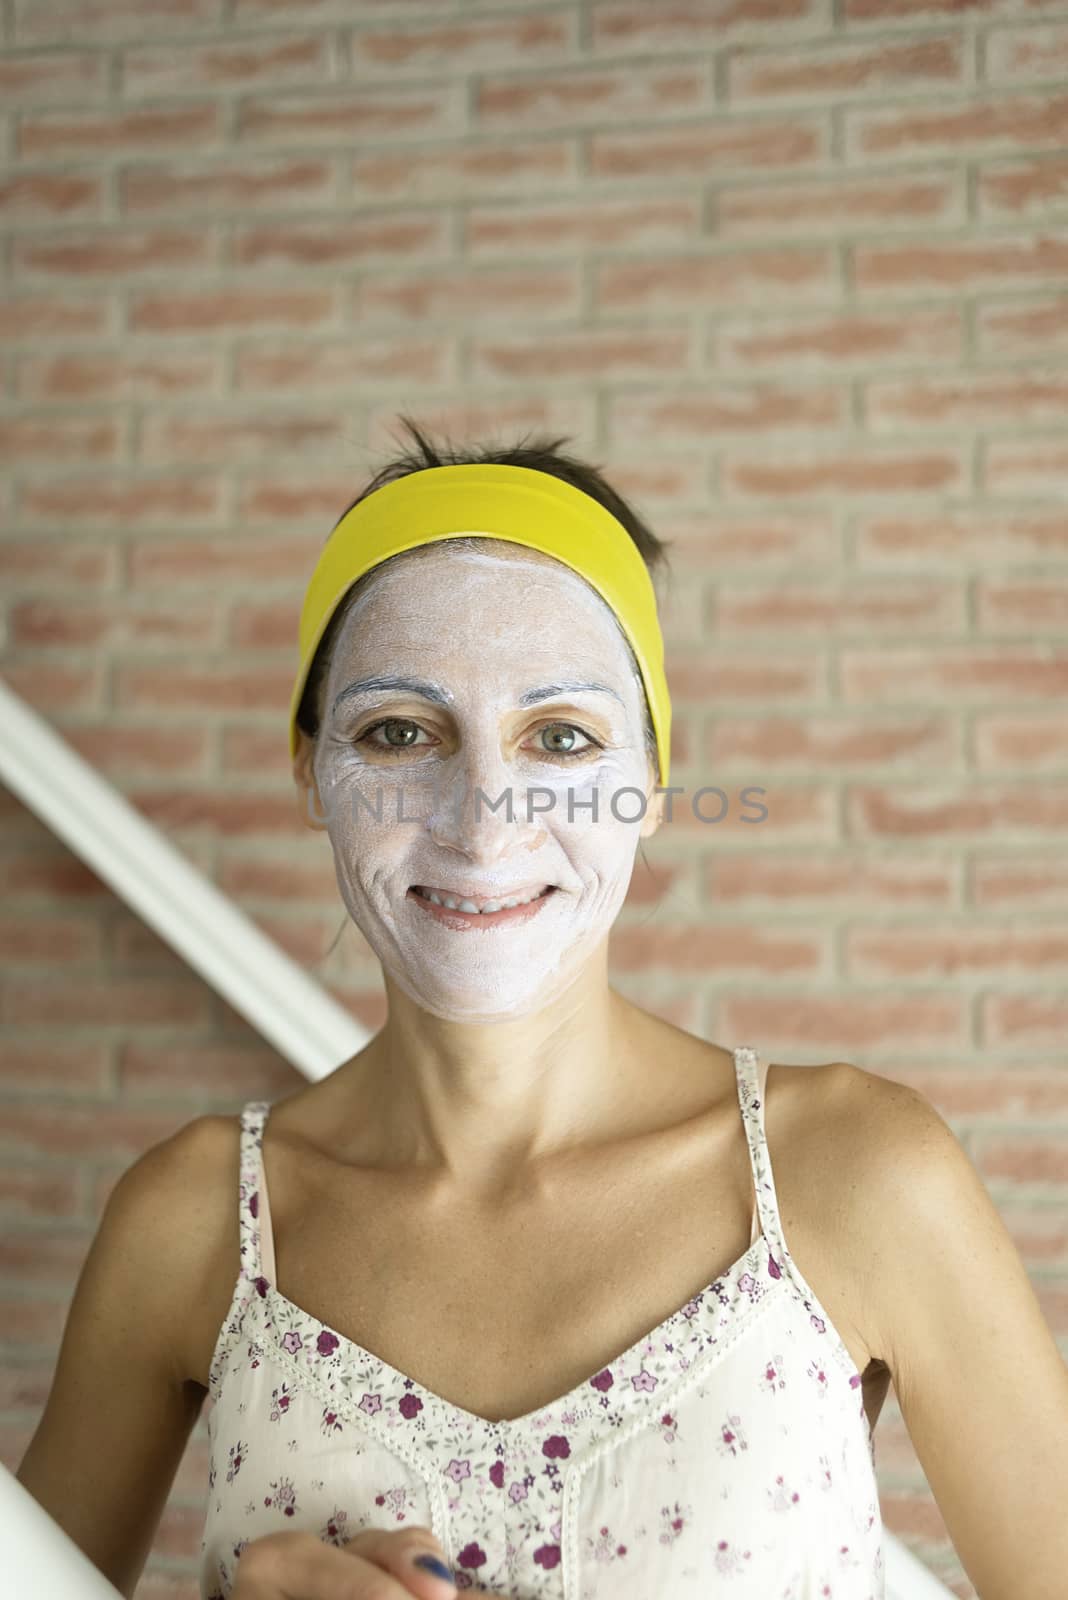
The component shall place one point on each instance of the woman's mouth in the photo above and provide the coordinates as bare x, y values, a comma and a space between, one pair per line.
455, 917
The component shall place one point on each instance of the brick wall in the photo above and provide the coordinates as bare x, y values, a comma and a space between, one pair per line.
794, 272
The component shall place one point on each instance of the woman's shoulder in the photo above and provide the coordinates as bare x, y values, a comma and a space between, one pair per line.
199, 1186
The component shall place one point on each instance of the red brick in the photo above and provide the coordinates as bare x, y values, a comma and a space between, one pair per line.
87, 1003
724, 407
247, 63
967, 127
77, 1068
1025, 741
1026, 327
591, 355
1026, 466
115, 253
311, 243
973, 399
1022, 605
839, 205
864, 470
757, 278
1021, 1021
482, 292
115, 624
588, 97
55, 562
942, 540
837, 340
204, 563
979, 950
43, 197
1025, 881
232, 436
29, 439
1037, 188
295, 365
52, 135
843, 69
959, 265
722, 146
1019, 55
120, 498
840, 607
43, 77
105, 21
232, 185
36, 316
232, 307
344, 116
844, 880
954, 675
806, 1024
498, 232
128, 374
36, 941
628, 27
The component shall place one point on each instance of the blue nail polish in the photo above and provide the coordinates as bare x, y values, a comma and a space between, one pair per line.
432, 1564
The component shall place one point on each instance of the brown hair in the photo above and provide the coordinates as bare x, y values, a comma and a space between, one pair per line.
543, 455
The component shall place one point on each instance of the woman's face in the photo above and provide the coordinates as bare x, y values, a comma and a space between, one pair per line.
400, 799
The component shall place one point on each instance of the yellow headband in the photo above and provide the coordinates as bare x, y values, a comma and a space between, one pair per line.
517, 504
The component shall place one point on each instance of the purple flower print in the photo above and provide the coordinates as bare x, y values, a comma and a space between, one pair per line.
556, 1447
603, 1381
645, 1382
458, 1470
237, 1455
285, 1498
781, 1496
254, 1205
820, 1376
547, 1556
731, 1436
326, 1343
281, 1398
472, 1555
409, 1406
336, 1529
496, 1474
292, 1342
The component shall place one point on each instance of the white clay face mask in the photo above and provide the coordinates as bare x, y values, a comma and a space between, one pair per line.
484, 628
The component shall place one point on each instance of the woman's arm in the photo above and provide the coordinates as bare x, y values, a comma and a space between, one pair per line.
980, 1381
118, 1415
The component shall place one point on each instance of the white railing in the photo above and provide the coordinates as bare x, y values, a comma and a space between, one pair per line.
272, 993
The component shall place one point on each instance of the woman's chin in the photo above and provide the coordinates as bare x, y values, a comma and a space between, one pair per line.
469, 1001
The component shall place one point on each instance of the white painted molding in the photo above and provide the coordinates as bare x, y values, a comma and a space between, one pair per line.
276, 996
41, 1560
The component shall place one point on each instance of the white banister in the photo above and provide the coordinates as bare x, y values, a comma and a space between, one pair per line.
906, 1577
273, 994
40, 1560
276, 996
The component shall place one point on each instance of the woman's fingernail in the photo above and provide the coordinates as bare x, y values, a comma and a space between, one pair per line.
438, 1568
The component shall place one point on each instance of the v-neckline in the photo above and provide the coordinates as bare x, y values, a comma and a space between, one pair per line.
707, 1320
756, 1264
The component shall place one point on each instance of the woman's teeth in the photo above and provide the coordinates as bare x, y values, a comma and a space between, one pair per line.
451, 903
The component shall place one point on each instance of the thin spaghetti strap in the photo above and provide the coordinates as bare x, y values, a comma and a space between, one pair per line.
762, 1091
266, 1230
257, 1240
752, 1075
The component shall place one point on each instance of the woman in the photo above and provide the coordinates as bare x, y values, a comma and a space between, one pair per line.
538, 1283
523, 1172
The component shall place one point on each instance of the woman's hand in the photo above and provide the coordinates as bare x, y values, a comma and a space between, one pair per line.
378, 1564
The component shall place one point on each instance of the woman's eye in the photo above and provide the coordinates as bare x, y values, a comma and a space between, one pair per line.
408, 730
570, 733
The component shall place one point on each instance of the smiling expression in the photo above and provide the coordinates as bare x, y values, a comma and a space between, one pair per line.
490, 640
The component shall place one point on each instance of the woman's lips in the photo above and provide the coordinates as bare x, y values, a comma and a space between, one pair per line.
464, 920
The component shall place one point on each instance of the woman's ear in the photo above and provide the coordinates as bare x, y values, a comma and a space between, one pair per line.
309, 805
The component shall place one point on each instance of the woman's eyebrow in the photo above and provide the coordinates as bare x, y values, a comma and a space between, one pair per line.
433, 691
530, 697
383, 681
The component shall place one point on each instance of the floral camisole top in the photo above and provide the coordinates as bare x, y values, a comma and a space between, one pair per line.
726, 1454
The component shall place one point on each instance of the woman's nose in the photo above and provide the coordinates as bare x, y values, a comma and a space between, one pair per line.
480, 801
